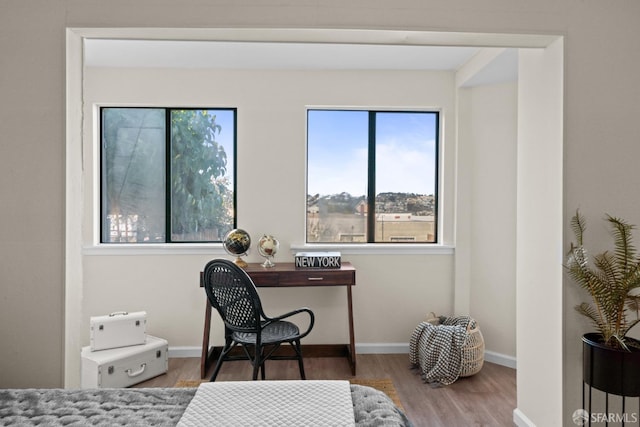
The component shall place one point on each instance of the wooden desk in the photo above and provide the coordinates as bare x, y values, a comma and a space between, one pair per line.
285, 275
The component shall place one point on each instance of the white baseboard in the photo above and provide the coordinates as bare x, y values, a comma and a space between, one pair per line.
382, 348
400, 348
178, 352
521, 420
500, 359
365, 348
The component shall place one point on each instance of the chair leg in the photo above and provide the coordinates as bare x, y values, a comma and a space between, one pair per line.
256, 367
223, 354
298, 350
254, 360
262, 372
228, 345
215, 372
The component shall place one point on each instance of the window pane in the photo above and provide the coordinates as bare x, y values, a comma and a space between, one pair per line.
133, 180
372, 176
405, 179
337, 156
202, 145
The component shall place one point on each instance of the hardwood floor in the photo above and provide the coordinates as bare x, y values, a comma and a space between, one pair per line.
485, 399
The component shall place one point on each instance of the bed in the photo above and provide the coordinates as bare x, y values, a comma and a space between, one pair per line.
154, 407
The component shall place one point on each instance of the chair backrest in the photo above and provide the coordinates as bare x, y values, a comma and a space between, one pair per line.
233, 294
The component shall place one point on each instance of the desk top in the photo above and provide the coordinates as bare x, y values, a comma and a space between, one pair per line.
290, 266
286, 274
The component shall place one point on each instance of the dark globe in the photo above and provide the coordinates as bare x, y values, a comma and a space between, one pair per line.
237, 242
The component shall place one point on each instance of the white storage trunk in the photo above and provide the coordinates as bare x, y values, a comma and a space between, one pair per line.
118, 329
122, 367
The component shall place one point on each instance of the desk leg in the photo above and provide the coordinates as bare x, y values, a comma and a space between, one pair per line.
352, 340
204, 358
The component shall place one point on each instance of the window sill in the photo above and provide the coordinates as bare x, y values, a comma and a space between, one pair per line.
217, 249
377, 249
154, 249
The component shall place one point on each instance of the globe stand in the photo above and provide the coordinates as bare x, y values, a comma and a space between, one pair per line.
240, 262
267, 263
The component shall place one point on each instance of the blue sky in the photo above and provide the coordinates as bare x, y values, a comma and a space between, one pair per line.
224, 118
337, 152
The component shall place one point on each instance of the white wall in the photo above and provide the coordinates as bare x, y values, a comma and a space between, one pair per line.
393, 293
375, 299
539, 248
602, 63
486, 219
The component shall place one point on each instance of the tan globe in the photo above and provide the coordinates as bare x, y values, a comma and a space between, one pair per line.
268, 247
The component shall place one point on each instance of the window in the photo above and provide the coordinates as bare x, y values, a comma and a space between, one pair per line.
372, 176
167, 175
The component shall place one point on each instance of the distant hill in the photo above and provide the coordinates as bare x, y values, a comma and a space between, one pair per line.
416, 204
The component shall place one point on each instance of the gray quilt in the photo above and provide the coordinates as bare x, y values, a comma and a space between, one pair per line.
149, 407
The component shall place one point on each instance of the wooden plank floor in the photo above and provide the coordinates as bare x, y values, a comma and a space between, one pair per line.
485, 399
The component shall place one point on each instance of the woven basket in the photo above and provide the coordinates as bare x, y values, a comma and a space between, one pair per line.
473, 349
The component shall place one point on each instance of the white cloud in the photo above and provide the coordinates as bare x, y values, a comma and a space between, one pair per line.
400, 167
407, 168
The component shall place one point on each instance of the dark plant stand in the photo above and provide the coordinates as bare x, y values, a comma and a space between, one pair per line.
609, 370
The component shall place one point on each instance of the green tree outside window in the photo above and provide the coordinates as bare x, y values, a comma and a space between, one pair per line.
151, 179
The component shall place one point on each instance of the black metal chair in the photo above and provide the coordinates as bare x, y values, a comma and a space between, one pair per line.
234, 295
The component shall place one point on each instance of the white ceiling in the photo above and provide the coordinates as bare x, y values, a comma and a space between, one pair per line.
271, 55
100, 52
